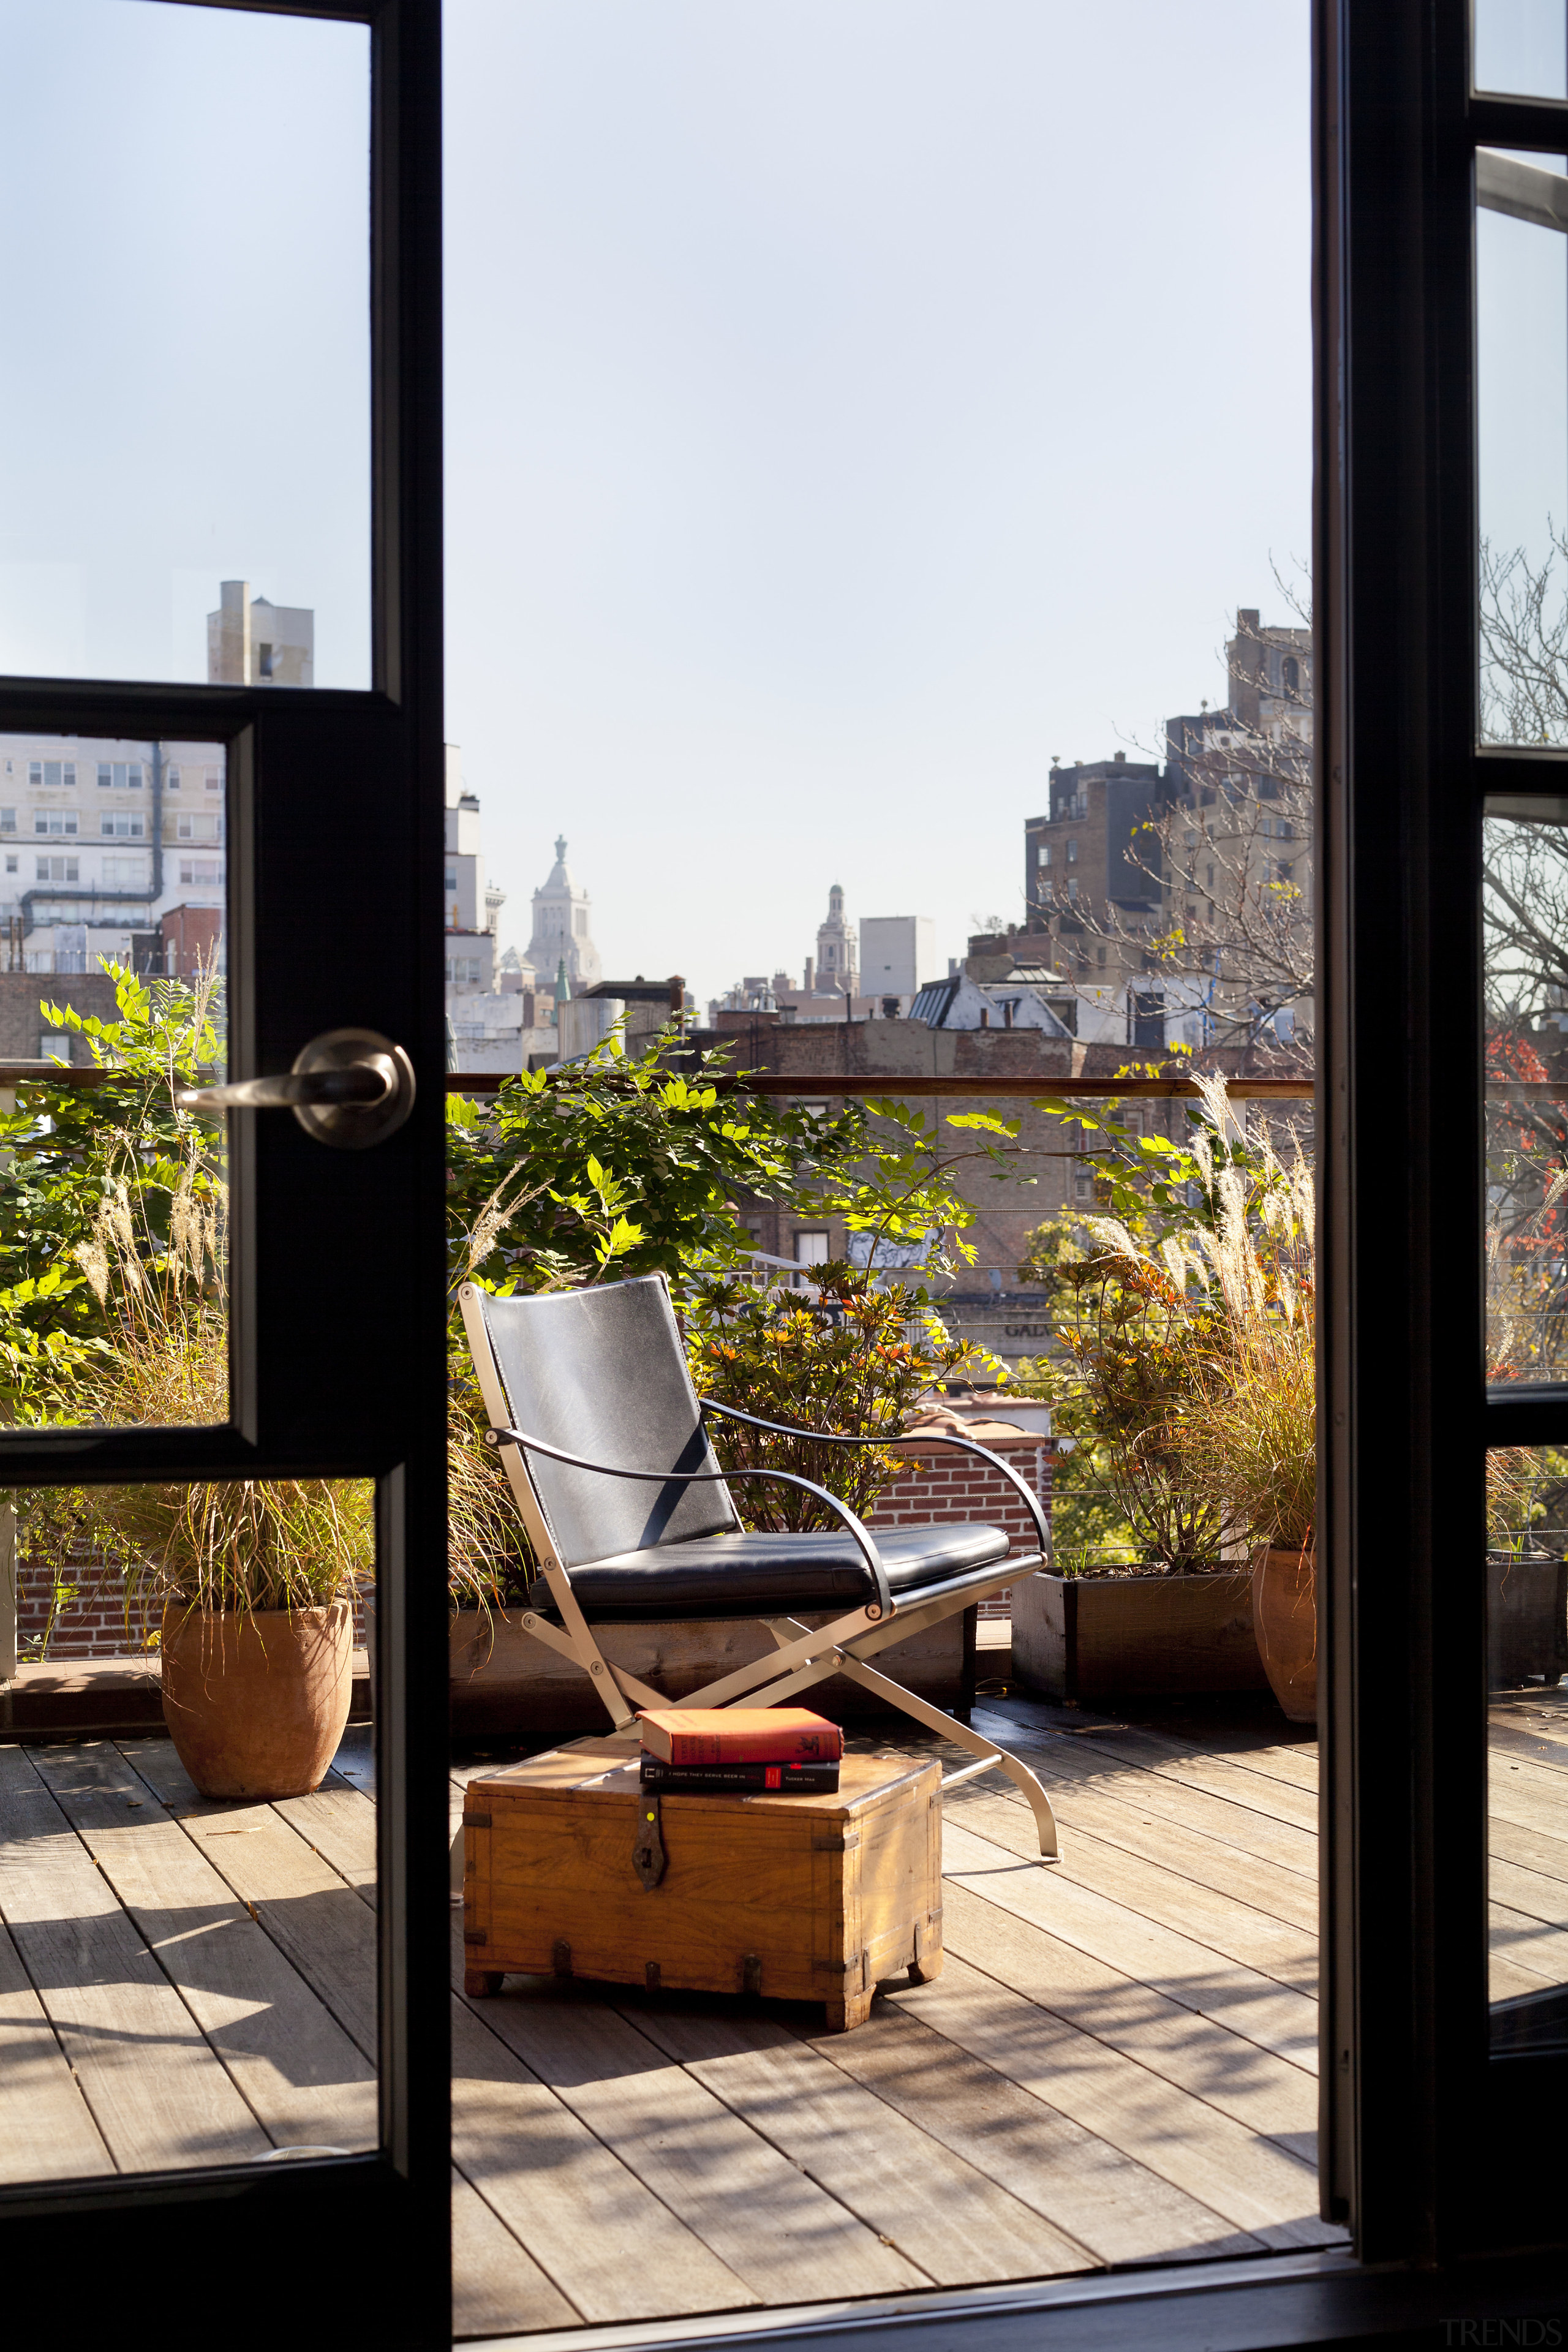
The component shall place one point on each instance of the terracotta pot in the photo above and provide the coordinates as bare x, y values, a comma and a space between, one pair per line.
1285, 1620
255, 1704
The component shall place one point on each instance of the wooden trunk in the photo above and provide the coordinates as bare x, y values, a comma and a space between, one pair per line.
800, 1898
1085, 1637
508, 1686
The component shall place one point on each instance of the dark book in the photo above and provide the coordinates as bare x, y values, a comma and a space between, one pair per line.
740, 1779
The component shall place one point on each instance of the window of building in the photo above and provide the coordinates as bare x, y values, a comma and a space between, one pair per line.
1210, 877
60, 869
579, 922
7, 820
463, 971
12, 864
1045, 853
49, 775
810, 1249
55, 1045
1072, 853
1291, 673
1100, 953
1072, 887
1285, 869
451, 882
213, 780
121, 825
54, 820
124, 873
201, 869
264, 661
172, 780
119, 775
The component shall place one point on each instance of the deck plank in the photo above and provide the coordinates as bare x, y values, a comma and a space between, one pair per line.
159, 2096
1188, 1855
941, 2212
1513, 1936
1295, 1764
46, 2130
1112, 2204
1217, 1776
1238, 1998
568, 2202
1531, 1849
1530, 1891
318, 1922
1223, 1919
1065, 1763
1270, 2098
338, 1824
498, 2288
298, 2071
1547, 1746
760, 2214
602, 2239
1260, 2182
1530, 1796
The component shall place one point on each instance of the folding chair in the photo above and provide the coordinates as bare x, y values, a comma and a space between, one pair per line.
591, 1404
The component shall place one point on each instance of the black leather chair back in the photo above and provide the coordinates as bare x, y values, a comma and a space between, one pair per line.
602, 1373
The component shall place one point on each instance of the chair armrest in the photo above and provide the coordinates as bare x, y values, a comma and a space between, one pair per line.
497, 1438
906, 1437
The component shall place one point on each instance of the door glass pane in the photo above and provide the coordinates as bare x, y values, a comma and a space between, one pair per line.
185, 435
1521, 343
188, 1829
113, 995
1519, 48
1527, 1783
1526, 1045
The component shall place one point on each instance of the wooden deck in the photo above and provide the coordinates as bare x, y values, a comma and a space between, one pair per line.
1117, 2066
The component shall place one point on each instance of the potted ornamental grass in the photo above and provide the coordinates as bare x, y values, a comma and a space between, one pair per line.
1144, 1594
1248, 1435
1527, 1565
1183, 1334
245, 1587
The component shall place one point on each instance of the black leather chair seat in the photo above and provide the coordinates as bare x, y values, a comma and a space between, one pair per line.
773, 1575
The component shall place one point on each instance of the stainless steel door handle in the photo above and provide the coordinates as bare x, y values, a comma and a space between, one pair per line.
350, 1088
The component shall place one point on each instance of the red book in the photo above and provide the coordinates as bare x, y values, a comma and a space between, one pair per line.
740, 1735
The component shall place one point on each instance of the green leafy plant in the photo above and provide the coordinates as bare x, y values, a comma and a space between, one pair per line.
853, 1360
94, 1171
235, 1544
1184, 1347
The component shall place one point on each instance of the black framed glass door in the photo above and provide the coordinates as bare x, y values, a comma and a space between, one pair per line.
1441, 312
285, 806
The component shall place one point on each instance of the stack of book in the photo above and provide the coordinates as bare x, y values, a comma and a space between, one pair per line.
702, 1751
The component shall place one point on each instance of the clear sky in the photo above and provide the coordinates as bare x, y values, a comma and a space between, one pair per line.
853, 403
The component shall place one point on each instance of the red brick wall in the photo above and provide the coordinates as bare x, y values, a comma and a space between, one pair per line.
92, 1625
941, 1487
945, 1488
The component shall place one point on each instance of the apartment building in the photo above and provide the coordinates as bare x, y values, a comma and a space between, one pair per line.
100, 838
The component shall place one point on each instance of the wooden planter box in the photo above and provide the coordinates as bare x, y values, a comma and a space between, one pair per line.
1091, 1637
1527, 1619
507, 1685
